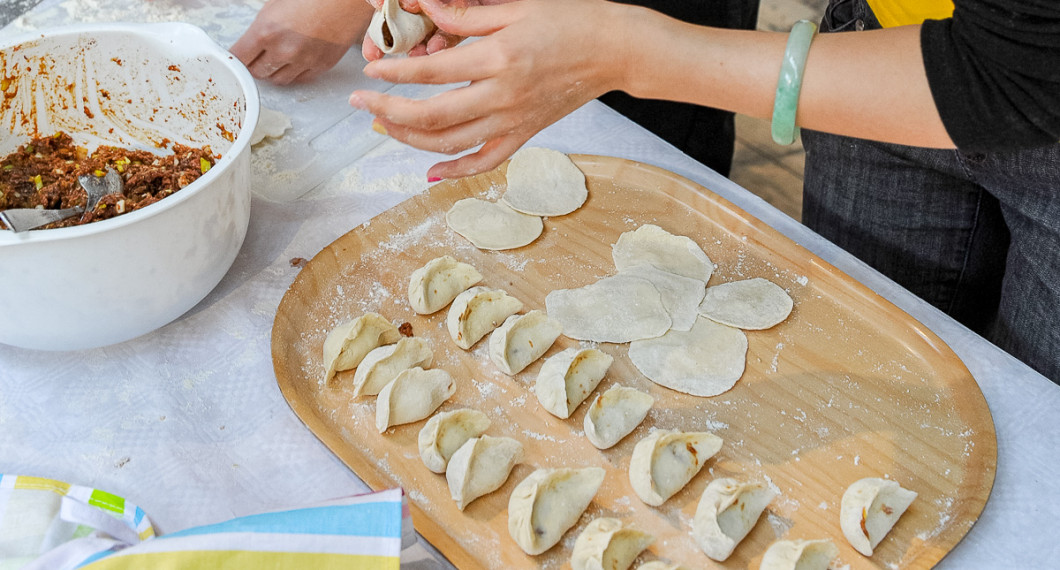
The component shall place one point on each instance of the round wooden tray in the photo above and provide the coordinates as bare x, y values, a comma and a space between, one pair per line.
847, 387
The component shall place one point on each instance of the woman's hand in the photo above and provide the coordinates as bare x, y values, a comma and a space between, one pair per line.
536, 62
292, 41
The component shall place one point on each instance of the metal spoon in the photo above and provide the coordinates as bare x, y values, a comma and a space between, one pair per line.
22, 219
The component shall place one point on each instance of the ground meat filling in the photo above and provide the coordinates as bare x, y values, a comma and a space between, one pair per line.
43, 173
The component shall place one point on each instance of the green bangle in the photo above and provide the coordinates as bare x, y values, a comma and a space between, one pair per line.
790, 82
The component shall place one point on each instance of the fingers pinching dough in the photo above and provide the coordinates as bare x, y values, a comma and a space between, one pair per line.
437, 283
444, 433
348, 343
665, 461
480, 467
394, 30
412, 396
476, 312
606, 544
547, 503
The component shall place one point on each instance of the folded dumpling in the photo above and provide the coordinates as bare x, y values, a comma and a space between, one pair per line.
547, 503
437, 283
869, 509
480, 467
659, 565
394, 30
728, 510
347, 344
522, 339
799, 555
614, 414
444, 433
383, 364
606, 544
567, 378
413, 395
665, 461
476, 312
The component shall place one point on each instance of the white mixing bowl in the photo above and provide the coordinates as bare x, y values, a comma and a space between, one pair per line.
129, 85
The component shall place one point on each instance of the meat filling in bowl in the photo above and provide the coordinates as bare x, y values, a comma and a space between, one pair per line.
44, 172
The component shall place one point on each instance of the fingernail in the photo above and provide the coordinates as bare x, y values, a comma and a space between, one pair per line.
378, 127
357, 103
433, 179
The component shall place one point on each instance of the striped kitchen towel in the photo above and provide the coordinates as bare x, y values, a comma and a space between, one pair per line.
47, 524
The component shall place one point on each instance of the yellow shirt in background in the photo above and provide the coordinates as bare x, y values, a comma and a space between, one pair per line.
893, 13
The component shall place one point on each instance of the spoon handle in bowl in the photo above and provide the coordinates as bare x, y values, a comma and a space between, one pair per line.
22, 219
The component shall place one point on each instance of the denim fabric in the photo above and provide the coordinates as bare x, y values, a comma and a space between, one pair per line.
977, 235
704, 133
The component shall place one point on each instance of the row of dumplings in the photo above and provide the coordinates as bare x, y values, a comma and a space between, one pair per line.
662, 463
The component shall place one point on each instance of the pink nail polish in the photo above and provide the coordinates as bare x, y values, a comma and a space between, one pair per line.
433, 179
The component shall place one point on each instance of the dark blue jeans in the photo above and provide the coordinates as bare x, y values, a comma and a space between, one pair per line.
975, 234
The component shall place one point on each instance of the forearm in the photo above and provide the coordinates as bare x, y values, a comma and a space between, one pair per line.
867, 84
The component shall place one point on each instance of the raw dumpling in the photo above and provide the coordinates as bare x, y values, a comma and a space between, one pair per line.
444, 433
347, 344
394, 30
436, 284
413, 395
522, 339
665, 461
271, 124
705, 361
727, 511
544, 182
614, 414
799, 555
476, 312
567, 378
751, 304
869, 509
493, 225
659, 565
547, 503
606, 545
652, 245
680, 295
616, 309
383, 364
480, 467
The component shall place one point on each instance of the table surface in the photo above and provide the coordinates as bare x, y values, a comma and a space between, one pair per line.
188, 421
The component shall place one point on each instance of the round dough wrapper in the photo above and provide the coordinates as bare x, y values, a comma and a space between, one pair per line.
705, 361
617, 309
544, 182
493, 225
751, 304
652, 245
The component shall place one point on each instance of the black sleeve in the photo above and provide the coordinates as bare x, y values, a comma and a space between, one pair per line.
994, 72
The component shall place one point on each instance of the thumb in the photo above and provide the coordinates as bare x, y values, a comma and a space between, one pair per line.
457, 18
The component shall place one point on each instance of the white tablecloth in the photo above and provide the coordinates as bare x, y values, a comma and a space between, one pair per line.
188, 421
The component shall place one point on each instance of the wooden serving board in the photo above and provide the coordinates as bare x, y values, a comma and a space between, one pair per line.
847, 387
